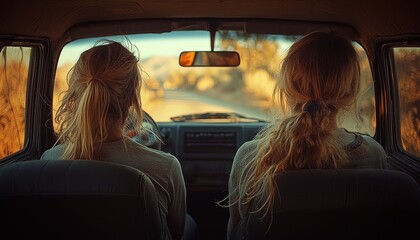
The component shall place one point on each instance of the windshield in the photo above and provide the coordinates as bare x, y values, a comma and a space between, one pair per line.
170, 91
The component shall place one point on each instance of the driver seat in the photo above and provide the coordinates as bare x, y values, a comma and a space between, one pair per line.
77, 199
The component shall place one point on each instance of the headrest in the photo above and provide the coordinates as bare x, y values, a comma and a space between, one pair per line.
69, 177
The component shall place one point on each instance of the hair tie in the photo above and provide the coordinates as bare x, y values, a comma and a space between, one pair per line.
311, 107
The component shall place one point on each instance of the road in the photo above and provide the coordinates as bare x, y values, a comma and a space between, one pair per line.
180, 102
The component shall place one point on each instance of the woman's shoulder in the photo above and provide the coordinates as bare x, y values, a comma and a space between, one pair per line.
135, 148
53, 153
246, 149
152, 151
368, 152
130, 149
360, 140
151, 161
370, 144
246, 152
249, 145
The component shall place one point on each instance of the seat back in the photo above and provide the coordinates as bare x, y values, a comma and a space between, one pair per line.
340, 204
77, 199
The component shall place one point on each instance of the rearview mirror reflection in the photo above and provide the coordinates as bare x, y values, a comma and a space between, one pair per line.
209, 59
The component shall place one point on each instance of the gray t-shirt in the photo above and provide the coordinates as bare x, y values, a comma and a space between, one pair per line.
364, 152
163, 169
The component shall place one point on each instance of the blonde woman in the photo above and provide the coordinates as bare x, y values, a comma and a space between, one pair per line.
104, 89
320, 79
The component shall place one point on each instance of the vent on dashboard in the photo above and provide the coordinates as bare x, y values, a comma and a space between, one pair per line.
210, 142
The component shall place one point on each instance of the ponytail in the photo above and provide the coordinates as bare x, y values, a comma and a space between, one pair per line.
305, 140
104, 87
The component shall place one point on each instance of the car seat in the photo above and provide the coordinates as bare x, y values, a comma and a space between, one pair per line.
340, 204
77, 199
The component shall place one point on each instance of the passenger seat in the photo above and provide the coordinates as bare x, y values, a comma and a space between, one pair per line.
340, 204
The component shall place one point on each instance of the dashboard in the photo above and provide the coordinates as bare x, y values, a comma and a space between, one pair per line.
206, 151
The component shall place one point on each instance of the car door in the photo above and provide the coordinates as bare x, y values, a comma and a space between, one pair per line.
24, 87
397, 70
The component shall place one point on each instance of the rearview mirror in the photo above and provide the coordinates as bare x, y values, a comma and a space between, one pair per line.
209, 59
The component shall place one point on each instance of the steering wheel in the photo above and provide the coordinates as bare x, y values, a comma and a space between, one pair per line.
150, 136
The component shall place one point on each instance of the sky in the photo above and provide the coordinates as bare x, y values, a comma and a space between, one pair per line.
163, 44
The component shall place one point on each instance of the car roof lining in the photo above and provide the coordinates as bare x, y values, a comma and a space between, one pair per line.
53, 19
264, 26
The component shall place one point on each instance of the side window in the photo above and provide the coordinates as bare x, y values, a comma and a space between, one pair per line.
365, 121
407, 76
14, 65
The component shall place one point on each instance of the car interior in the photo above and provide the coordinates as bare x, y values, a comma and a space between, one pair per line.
208, 71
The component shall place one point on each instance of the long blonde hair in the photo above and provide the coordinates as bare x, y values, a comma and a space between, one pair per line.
319, 78
104, 88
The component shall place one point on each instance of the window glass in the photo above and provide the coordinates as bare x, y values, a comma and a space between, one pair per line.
364, 119
14, 64
407, 73
171, 90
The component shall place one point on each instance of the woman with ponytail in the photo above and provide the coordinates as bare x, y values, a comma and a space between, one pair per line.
320, 79
104, 89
